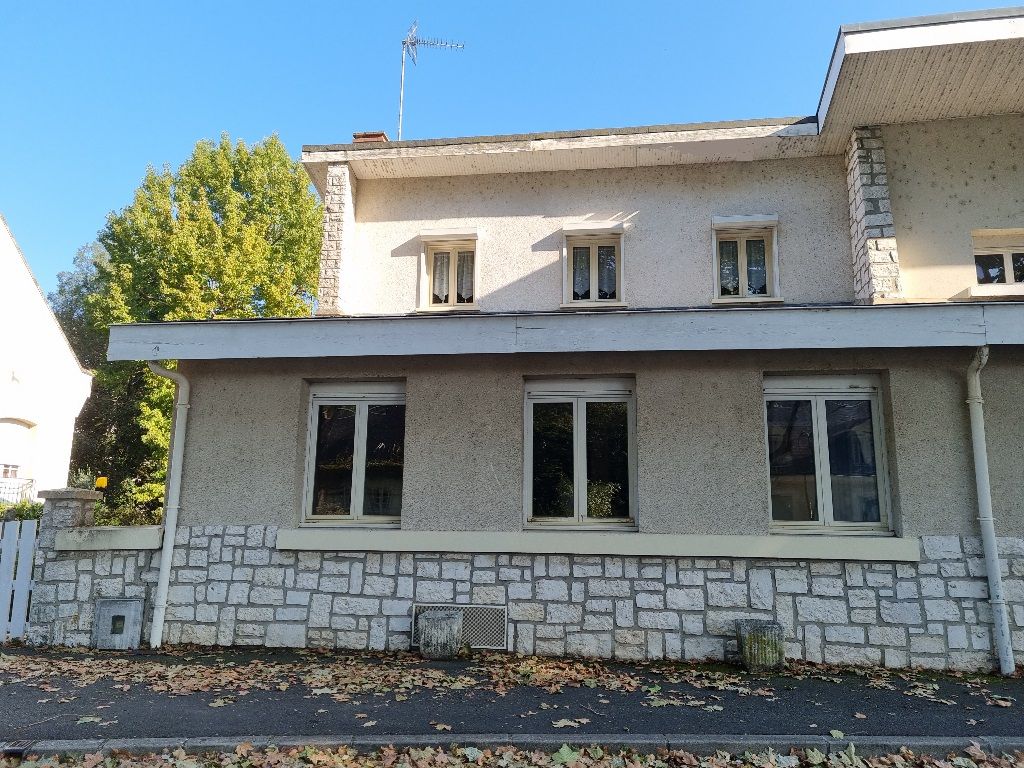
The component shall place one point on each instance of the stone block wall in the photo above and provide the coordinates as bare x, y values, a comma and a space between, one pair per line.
876, 262
66, 585
339, 229
231, 586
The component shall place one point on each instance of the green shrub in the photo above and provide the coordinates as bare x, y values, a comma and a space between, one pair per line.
22, 510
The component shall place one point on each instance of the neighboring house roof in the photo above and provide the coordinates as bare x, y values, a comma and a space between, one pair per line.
905, 70
13, 247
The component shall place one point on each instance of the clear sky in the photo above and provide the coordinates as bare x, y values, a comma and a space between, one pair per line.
93, 92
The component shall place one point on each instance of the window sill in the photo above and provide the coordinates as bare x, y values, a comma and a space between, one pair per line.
820, 530
593, 305
625, 526
447, 309
603, 542
725, 301
338, 523
998, 291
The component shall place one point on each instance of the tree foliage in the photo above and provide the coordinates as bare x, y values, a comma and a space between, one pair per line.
233, 233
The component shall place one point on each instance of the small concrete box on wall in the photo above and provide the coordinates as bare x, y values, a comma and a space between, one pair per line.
117, 625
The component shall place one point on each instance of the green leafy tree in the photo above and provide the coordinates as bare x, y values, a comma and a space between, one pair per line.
233, 233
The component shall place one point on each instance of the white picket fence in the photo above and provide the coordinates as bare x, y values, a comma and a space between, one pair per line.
17, 543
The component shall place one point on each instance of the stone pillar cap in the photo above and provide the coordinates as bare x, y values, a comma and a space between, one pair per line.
83, 494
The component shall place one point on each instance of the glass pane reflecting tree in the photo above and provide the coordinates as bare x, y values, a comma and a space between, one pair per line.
385, 458
553, 477
607, 460
757, 270
851, 455
791, 457
990, 268
335, 442
606, 272
729, 267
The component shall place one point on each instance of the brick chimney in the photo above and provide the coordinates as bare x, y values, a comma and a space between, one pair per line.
365, 136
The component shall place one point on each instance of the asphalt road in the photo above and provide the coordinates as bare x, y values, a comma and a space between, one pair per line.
796, 706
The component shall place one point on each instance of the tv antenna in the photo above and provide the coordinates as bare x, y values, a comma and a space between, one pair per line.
409, 45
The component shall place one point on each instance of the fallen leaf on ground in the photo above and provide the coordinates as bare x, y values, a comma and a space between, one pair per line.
565, 723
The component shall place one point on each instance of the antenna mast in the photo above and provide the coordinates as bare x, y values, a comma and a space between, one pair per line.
409, 45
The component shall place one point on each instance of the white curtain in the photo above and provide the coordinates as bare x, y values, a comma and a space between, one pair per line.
464, 278
606, 272
580, 272
439, 280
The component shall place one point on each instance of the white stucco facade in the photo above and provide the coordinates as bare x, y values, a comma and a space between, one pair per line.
627, 479
42, 385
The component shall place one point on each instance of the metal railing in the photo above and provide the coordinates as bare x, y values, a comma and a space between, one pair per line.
15, 489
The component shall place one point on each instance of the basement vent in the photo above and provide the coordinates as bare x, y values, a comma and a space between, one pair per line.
484, 627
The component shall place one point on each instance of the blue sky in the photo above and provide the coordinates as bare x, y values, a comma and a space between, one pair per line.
92, 93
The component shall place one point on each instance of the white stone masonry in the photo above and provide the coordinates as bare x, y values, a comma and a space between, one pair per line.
876, 262
231, 586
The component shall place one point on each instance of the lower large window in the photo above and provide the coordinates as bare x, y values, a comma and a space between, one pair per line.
826, 453
580, 452
355, 452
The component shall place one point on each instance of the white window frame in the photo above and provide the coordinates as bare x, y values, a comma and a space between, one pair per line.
744, 228
451, 240
579, 391
593, 234
361, 395
1009, 288
819, 389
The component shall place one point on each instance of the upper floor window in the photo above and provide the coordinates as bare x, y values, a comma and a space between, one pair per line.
448, 270
593, 265
594, 268
826, 453
355, 452
999, 266
451, 274
580, 452
746, 259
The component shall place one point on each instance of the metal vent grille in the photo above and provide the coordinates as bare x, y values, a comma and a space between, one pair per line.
484, 627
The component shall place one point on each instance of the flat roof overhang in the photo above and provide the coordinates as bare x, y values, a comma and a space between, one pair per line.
777, 328
902, 71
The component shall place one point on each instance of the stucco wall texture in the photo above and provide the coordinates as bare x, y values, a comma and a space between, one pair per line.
667, 249
947, 178
701, 464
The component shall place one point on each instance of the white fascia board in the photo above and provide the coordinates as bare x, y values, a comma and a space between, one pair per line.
722, 140
759, 328
927, 35
966, 31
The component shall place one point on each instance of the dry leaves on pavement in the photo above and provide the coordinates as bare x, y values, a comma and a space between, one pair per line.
245, 756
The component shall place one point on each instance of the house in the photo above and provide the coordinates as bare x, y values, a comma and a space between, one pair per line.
42, 384
613, 390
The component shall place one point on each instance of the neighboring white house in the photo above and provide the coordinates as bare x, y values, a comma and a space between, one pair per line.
42, 384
